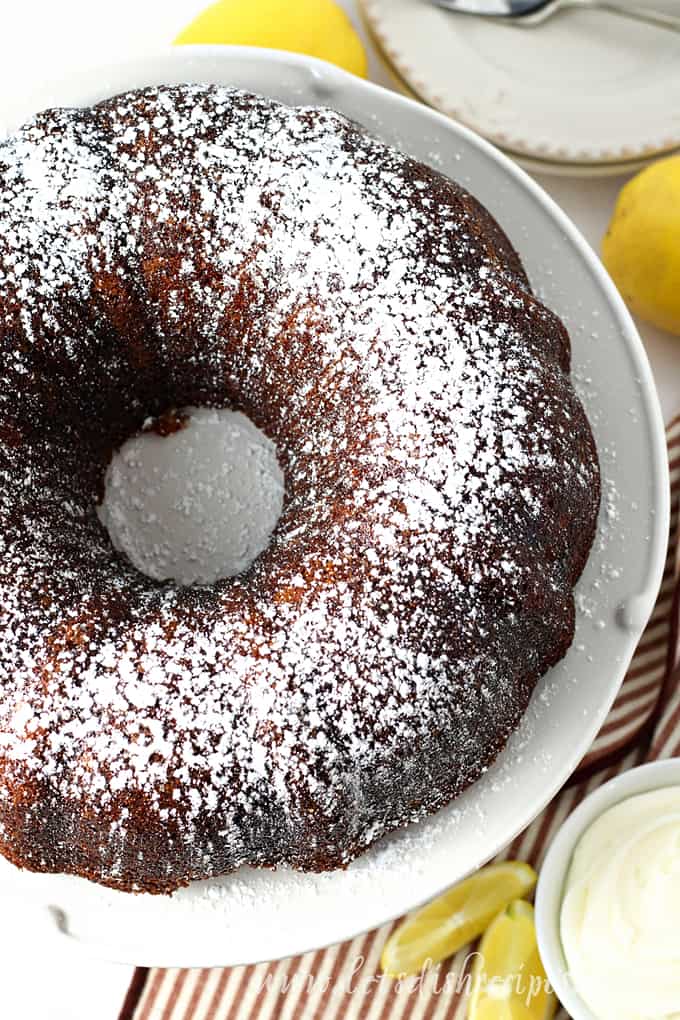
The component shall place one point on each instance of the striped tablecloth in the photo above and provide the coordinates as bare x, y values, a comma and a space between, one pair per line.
344, 982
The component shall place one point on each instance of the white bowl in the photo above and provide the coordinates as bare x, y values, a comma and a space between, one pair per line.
553, 874
260, 915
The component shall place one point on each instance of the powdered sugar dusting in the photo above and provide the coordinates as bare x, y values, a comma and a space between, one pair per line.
198, 245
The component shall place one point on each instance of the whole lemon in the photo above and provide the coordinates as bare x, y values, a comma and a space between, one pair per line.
641, 248
319, 28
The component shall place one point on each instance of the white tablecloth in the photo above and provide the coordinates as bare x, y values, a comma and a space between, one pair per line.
49, 38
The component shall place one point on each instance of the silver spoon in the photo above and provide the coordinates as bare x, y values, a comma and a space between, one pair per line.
529, 13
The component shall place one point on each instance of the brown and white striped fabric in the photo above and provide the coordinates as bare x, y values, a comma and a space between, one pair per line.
344, 982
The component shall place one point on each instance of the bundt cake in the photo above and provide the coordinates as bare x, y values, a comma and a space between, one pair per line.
199, 246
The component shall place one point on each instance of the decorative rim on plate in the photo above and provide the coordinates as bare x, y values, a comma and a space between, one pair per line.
535, 165
254, 915
459, 66
604, 168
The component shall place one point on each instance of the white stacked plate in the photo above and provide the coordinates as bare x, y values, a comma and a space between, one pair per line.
586, 93
260, 915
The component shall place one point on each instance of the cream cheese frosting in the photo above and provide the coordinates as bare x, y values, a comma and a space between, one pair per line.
619, 920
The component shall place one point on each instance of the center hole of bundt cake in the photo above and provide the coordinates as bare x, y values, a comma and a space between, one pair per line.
194, 496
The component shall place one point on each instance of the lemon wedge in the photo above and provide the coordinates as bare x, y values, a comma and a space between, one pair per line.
445, 925
319, 28
508, 979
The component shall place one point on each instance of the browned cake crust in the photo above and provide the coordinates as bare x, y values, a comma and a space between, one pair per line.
199, 245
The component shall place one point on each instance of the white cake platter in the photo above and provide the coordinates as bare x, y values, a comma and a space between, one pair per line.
257, 915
